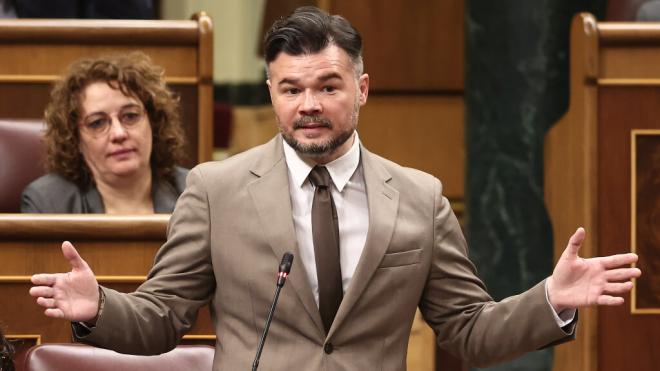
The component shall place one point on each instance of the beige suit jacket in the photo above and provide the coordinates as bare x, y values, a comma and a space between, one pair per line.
225, 241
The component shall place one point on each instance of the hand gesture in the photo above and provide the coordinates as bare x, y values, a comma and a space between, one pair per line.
578, 282
74, 295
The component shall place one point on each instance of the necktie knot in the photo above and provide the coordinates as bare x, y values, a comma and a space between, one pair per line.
320, 177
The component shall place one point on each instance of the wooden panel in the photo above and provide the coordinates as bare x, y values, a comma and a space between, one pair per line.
424, 132
621, 109
52, 60
571, 180
645, 219
629, 50
120, 250
409, 46
190, 101
14, 94
630, 63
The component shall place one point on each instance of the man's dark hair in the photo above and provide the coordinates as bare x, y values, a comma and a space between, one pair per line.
309, 30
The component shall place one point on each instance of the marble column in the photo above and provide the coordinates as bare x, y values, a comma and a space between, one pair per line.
516, 89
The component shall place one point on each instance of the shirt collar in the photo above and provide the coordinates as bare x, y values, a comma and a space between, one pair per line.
340, 169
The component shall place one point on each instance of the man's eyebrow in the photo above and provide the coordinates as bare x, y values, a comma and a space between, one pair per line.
323, 78
330, 76
288, 80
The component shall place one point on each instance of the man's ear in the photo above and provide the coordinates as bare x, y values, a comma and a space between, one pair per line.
363, 85
270, 89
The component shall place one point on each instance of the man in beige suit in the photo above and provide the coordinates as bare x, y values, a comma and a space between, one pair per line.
399, 245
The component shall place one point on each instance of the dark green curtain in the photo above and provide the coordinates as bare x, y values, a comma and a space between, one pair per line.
517, 86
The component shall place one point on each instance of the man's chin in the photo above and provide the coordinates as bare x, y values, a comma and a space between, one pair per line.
313, 150
318, 148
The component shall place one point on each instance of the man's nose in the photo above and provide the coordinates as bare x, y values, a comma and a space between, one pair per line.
310, 103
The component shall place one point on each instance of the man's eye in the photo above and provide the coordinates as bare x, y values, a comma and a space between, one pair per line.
329, 89
293, 91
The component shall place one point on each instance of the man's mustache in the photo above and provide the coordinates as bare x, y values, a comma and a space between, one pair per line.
317, 119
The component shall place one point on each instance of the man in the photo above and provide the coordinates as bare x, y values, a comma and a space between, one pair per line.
373, 241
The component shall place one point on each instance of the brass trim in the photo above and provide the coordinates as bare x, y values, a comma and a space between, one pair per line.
78, 227
49, 79
633, 214
108, 279
181, 80
647, 311
628, 82
99, 32
36, 337
14, 279
28, 78
200, 337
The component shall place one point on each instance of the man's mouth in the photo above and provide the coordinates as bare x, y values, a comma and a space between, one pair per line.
312, 122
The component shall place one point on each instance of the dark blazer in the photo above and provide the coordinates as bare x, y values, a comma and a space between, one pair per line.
225, 241
53, 194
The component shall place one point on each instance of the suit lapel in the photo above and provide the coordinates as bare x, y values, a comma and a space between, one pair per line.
272, 199
383, 201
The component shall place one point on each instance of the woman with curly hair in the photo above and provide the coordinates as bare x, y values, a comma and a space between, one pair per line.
113, 140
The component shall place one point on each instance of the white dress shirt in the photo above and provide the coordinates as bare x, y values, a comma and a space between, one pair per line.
350, 198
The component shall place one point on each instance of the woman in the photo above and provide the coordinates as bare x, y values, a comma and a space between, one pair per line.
113, 139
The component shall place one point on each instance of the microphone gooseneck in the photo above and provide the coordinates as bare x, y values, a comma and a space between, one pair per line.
282, 274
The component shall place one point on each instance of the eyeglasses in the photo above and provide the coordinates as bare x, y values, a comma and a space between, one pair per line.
99, 124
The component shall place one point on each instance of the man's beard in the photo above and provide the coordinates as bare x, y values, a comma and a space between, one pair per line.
318, 149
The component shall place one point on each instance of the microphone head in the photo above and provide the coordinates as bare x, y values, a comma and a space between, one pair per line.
287, 260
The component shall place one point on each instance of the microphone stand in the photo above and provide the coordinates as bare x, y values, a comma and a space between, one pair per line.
285, 268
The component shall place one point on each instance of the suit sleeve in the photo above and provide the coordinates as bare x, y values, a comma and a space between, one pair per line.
153, 318
466, 320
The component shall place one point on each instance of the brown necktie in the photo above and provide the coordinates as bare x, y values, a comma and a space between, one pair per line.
325, 232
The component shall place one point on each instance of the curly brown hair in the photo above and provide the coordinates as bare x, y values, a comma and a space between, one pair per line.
134, 75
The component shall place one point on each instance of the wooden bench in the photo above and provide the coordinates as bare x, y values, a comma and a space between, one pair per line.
590, 176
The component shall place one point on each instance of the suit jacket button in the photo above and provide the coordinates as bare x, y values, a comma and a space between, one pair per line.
328, 348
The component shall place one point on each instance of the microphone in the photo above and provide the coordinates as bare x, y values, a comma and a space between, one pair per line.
283, 273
